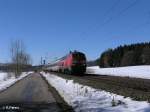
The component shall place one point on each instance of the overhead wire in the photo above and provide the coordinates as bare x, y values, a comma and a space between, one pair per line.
119, 14
111, 9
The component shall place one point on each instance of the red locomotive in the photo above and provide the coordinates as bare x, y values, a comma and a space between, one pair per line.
74, 62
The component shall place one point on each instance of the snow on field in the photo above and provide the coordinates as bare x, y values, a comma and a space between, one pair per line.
86, 99
7, 80
3, 76
130, 71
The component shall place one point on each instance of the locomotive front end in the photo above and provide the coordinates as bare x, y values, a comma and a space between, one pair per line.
78, 63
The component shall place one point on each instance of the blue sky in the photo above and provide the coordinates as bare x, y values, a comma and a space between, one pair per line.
53, 27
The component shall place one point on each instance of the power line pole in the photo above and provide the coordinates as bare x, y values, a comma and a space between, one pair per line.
41, 60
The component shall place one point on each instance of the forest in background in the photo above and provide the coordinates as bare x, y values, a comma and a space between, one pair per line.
126, 55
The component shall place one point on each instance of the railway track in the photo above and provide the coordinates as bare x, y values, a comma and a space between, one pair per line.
136, 88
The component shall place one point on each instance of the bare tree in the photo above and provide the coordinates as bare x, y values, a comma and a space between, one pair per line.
19, 57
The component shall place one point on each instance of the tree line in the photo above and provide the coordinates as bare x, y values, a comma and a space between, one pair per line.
127, 55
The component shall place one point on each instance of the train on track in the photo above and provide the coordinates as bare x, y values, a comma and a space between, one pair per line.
72, 63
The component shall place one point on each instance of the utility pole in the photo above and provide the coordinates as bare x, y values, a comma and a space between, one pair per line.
46, 58
44, 62
41, 60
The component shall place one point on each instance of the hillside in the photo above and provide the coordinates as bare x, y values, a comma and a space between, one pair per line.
127, 55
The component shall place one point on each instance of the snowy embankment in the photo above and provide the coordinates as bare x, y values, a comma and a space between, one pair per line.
7, 80
86, 99
130, 71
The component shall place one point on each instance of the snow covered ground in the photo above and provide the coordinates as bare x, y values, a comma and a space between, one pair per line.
130, 71
3, 76
7, 80
86, 99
